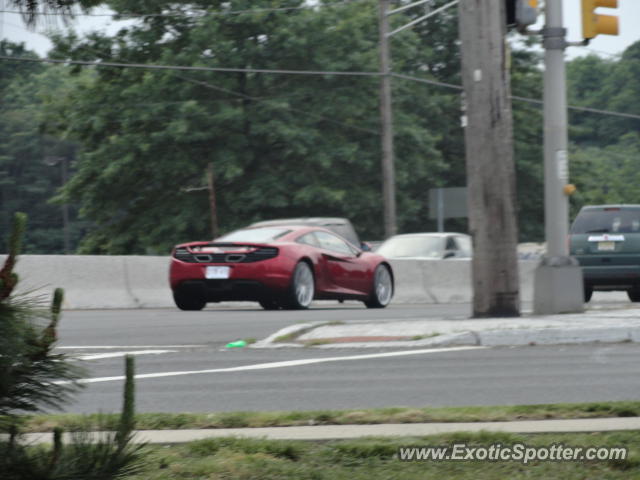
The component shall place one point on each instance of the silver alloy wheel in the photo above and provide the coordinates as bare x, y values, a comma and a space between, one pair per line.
383, 285
303, 284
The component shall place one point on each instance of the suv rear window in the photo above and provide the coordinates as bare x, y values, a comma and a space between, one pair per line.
607, 220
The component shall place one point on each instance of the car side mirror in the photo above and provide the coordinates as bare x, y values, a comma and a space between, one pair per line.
365, 247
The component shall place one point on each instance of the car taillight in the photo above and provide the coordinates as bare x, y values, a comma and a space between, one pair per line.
182, 254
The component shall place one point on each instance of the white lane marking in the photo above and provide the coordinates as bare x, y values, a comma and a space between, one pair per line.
99, 356
115, 347
288, 363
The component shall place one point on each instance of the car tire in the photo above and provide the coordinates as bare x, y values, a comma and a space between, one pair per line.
188, 302
301, 289
634, 294
269, 304
382, 290
588, 293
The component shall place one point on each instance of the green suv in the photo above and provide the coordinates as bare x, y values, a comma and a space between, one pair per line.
605, 239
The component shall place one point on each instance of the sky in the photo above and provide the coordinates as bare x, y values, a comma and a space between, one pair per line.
12, 28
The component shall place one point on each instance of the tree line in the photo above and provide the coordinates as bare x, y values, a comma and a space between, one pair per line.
137, 141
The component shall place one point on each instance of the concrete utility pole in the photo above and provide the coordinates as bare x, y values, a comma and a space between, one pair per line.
489, 158
386, 116
558, 278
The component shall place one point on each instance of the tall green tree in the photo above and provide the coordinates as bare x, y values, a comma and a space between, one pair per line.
281, 145
605, 147
27, 180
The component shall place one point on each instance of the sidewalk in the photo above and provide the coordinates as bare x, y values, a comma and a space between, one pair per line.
606, 325
342, 432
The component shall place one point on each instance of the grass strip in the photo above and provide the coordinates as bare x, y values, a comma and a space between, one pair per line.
176, 421
376, 458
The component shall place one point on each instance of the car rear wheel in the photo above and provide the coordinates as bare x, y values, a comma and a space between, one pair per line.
588, 293
382, 288
186, 301
301, 289
269, 304
634, 294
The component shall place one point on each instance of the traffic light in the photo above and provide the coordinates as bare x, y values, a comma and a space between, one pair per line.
521, 13
593, 23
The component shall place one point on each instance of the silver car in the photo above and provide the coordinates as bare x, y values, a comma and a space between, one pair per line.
434, 246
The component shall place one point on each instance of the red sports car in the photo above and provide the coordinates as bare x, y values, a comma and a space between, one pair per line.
279, 267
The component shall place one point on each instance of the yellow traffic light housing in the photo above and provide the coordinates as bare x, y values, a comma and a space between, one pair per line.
594, 24
521, 13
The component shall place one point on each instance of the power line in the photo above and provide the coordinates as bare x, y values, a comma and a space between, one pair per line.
424, 80
605, 112
258, 99
522, 99
293, 72
185, 14
266, 100
151, 66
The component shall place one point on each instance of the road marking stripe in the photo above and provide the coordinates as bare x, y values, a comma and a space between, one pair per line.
100, 356
288, 363
114, 347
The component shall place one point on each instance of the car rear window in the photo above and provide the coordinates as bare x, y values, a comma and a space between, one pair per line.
607, 220
254, 235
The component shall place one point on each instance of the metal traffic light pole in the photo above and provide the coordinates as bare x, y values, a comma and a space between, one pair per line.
558, 277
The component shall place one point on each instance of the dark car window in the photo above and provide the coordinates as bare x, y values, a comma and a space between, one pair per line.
333, 243
254, 235
607, 220
309, 239
464, 245
451, 244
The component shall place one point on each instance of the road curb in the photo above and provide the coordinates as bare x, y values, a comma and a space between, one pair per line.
537, 334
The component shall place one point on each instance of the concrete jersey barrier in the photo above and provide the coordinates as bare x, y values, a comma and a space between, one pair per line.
97, 281
446, 281
135, 281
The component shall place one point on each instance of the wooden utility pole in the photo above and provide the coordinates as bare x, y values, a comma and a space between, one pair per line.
212, 201
386, 117
489, 158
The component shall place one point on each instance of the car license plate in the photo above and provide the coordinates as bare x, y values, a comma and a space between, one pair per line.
607, 246
213, 273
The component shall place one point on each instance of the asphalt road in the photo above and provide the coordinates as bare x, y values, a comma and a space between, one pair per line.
186, 351
216, 326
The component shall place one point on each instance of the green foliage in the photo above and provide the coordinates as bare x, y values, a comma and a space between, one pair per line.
377, 458
33, 9
29, 370
605, 148
281, 145
88, 456
26, 181
33, 376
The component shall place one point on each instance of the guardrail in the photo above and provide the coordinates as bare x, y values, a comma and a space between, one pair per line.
111, 282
